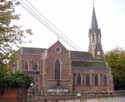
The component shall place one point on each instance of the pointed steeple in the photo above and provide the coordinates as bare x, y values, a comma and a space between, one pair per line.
95, 47
94, 24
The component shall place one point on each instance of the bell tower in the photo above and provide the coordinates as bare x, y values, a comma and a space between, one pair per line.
95, 47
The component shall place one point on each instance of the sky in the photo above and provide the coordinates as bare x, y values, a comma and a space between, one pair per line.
73, 18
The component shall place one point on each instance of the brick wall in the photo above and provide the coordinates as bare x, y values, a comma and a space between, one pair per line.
66, 72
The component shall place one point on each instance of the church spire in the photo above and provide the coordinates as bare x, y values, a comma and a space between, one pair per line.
95, 47
94, 24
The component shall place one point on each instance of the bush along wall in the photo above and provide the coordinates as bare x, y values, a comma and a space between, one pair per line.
13, 79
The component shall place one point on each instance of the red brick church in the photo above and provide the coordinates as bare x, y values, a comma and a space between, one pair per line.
59, 70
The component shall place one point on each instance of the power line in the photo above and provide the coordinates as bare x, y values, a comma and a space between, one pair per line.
43, 20
57, 32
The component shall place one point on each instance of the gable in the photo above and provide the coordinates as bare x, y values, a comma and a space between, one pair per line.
57, 46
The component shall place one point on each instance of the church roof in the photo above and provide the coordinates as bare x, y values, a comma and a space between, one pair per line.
79, 55
89, 68
85, 61
88, 65
30, 51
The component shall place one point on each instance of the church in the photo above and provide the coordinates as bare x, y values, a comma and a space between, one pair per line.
57, 70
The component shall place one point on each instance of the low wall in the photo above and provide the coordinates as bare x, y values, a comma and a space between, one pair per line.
84, 96
8, 95
13, 95
110, 99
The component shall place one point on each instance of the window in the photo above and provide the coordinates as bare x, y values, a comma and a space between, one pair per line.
83, 79
26, 66
74, 80
35, 66
57, 70
96, 80
58, 50
74, 76
22, 63
93, 38
87, 80
92, 79
101, 79
31, 65
79, 80
105, 79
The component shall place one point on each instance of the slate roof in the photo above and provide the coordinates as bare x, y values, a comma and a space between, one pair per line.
85, 61
85, 65
31, 51
103, 68
79, 55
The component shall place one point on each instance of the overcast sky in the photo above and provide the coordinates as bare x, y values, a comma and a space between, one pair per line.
73, 18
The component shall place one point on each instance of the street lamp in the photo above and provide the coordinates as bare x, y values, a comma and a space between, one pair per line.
31, 84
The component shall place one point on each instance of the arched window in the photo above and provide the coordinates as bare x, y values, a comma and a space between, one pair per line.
22, 63
79, 80
31, 65
74, 81
93, 38
74, 78
101, 79
57, 70
96, 80
26, 66
87, 80
92, 79
105, 79
35, 66
83, 79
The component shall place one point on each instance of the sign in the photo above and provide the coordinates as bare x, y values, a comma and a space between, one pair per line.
58, 90
78, 94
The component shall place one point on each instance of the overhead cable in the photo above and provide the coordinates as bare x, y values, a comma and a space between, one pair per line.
43, 20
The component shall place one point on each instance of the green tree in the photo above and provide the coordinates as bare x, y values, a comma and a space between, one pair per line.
14, 80
11, 35
116, 60
22, 79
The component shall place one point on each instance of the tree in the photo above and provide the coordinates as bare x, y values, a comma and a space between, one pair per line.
10, 35
14, 80
22, 79
116, 60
